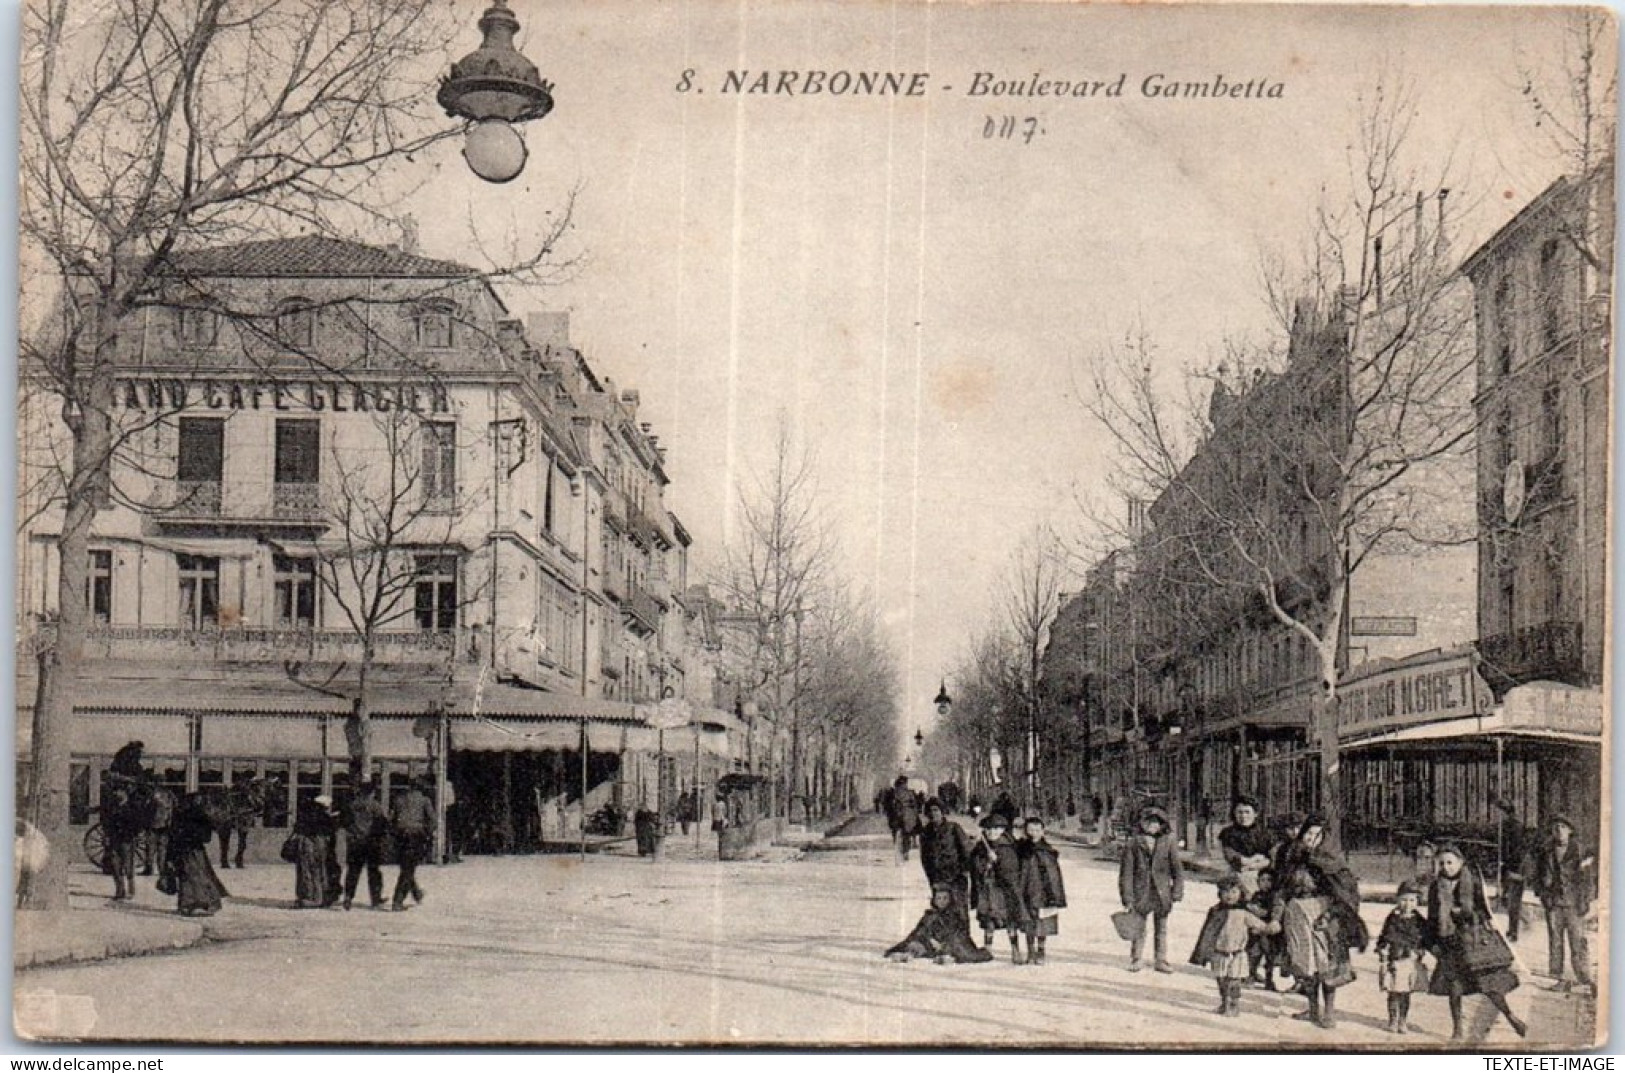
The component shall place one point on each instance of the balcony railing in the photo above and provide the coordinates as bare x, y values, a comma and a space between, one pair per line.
196, 499
641, 609
1551, 650
240, 644
296, 500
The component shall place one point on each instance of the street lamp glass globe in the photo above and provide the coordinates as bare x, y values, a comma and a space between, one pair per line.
494, 150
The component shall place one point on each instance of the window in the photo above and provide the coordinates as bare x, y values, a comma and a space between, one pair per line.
200, 591
435, 592
1503, 322
1551, 293
199, 327
78, 793
298, 451
99, 587
439, 464
295, 592
201, 453
296, 323
547, 498
1551, 419
434, 327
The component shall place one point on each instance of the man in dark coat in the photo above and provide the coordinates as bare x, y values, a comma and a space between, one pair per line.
1565, 882
413, 823
1149, 881
1514, 853
903, 814
365, 825
945, 853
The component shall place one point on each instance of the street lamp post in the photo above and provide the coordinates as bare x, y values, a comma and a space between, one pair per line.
495, 87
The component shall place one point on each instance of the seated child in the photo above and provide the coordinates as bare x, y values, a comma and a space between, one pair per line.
941, 934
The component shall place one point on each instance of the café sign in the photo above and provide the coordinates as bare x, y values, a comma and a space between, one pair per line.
273, 394
1448, 687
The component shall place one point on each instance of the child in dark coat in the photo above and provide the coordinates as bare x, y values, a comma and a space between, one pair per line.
1042, 890
1399, 955
1226, 933
941, 934
1000, 906
1265, 950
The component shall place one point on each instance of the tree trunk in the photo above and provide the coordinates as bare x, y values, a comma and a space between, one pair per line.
52, 751
358, 725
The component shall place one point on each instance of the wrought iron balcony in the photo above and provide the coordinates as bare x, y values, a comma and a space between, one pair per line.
196, 499
1550, 651
250, 644
296, 500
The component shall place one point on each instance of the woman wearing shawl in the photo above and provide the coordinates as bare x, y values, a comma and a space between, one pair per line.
197, 889
1456, 905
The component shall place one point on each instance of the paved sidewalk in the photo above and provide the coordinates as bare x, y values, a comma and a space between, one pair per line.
43, 937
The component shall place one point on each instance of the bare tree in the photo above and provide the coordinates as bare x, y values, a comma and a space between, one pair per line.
1291, 480
393, 506
772, 577
1030, 597
149, 128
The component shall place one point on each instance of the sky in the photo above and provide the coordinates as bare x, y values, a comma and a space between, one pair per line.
912, 290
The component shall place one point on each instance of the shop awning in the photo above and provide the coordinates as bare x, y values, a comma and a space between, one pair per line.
1486, 727
528, 736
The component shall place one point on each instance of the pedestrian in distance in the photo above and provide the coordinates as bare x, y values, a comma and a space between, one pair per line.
903, 815
1461, 933
163, 816
412, 823
1000, 906
365, 827
1566, 883
1042, 889
318, 881
1149, 881
945, 854
1400, 946
942, 934
1515, 860
198, 890
1227, 932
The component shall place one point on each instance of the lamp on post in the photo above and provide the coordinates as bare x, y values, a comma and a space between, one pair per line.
943, 701
495, 87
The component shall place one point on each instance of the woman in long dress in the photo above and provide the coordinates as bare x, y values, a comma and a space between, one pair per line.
317, 877
1456, 903
198, 890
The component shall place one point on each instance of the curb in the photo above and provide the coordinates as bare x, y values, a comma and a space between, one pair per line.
53, 938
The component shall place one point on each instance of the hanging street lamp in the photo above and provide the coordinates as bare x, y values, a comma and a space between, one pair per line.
495, 87
919, 739
943, 702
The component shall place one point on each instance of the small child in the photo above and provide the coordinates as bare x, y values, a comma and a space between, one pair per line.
1041, 889
941, 934
1265, 950
1229, 928
1399, 955
996, 875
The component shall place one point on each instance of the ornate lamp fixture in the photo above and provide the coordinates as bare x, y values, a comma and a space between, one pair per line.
943, 702
495, 87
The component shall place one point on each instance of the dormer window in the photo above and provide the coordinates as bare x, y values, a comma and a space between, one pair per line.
296, 323
199, 327
434, 325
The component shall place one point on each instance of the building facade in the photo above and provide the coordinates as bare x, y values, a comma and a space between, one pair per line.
348, 481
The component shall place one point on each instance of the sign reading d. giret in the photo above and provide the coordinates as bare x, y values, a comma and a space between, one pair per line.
814, 524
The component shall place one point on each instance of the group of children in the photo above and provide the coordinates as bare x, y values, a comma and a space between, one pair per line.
1255, 927
1246, 932
1015, 886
